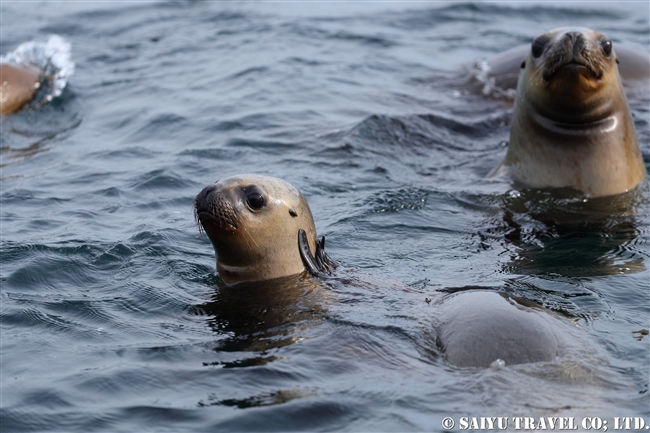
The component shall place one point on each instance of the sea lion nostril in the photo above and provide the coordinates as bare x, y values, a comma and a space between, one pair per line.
206, 191
573, 36
215, 208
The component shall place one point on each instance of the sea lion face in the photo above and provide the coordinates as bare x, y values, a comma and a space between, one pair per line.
253, 223
571, 124
571, 69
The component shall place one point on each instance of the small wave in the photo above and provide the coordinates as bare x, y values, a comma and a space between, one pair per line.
52, 57
395, 201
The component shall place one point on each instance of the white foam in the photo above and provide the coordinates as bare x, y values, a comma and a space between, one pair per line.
481, 72
498, 364
52, 57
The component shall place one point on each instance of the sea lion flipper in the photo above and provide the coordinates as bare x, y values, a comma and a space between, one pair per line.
308, 260
315, 265
324, 260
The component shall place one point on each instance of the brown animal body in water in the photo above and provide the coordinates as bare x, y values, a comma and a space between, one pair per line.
572, 125
18, 85
262, 229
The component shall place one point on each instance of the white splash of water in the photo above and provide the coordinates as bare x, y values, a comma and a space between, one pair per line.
52, 57
498, 364
481, 72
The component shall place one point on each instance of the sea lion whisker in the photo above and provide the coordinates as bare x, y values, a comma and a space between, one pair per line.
250, 237
195, 212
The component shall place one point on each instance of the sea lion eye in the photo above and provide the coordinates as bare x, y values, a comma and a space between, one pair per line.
255, 200
607, 47
538, 46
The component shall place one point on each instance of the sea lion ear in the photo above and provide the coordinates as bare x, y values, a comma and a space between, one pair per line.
315, 265
523, 64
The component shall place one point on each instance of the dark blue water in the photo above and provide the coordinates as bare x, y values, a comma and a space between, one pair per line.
112, 318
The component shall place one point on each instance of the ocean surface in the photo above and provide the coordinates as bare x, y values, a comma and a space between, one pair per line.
112, 316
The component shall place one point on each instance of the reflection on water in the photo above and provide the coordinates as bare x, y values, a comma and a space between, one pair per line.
267, 399
14, 155
264, 315
557, 232
31, 131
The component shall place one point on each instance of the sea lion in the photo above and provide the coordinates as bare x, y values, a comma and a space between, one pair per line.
37, 71
19, 84
482, 327
572, 125
261, 228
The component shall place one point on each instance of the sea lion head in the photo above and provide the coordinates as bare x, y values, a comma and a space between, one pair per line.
571, 124
253, 222
572, 69
18, 85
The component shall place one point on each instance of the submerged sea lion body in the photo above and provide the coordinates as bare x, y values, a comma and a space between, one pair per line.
572, 125
18, 85
481, 328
